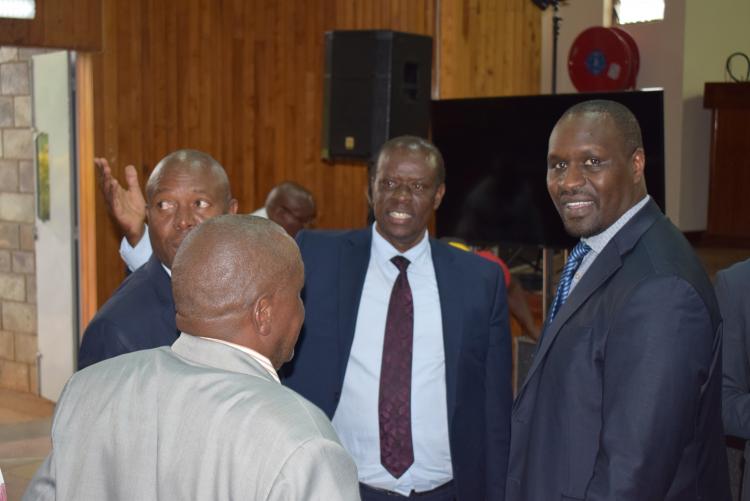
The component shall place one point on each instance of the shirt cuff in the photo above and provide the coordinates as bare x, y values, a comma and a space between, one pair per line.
135, 257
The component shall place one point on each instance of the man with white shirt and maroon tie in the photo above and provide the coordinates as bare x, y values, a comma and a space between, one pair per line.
406, 344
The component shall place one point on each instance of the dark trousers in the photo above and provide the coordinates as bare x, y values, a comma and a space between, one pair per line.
446, 492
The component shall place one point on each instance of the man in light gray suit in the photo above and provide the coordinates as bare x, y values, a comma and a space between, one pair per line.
205, 418
733, 292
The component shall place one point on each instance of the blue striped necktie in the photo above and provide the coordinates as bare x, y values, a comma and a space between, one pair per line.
566, 279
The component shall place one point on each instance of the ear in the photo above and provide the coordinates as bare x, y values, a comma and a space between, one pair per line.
638, 161
438, 196
233, 206
368, 191
262, 313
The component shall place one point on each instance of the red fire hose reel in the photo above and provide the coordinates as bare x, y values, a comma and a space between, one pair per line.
603, 59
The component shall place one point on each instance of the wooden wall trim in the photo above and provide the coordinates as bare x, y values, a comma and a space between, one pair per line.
489, 48
86, 189
62, 24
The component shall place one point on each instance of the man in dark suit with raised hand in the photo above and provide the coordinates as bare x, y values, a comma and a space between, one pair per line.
406, 344
185, 188
623, 399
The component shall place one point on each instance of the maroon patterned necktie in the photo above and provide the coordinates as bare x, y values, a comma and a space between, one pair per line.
394, 402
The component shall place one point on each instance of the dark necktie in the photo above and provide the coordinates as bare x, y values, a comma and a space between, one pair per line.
566, 279
394, 402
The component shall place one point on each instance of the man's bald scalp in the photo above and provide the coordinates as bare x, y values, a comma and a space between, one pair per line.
623, 118
187, 158
227, 263
413, 145
289, 189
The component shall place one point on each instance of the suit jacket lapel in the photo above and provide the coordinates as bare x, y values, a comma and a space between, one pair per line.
603, 267
163, 285
354, 260
447, 279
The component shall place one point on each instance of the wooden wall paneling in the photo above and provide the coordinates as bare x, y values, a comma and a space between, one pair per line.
454, 34
247, 123
521, 57
288, 130
485, 48
207, 95
313, 100
243, 81
147, 128
528, 43
71, 24
128, 83
227, 64
88, 18
267, 81
170, 94
108, 267
188, 68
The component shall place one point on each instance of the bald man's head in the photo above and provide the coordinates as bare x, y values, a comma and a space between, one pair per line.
238, 278
185, 188
292, 206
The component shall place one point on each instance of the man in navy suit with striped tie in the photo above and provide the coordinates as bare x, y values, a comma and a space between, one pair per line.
623, 398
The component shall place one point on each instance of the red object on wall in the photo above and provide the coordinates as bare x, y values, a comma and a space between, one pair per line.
636, 61
603, 59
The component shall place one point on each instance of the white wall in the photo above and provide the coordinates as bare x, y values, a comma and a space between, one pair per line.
713, 30
661, 48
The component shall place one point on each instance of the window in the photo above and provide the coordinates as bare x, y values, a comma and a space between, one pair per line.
638, 11
18, 9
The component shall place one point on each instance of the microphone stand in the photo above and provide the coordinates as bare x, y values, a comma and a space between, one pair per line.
548, 253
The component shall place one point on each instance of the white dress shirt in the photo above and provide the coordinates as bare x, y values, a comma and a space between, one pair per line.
135, 257
356, 417
264, 361
599, 241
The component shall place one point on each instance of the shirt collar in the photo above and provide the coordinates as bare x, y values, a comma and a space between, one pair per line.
383, 250
599, 241
261, 359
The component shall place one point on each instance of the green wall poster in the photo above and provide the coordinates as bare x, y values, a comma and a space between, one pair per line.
42, 176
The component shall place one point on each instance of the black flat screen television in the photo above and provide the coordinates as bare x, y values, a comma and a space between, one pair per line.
495, 153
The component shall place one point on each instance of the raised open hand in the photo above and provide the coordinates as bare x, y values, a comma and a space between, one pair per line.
127, 205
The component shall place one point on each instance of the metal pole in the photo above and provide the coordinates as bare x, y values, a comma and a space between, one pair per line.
548, 254
38, 374
547, 274
555, 35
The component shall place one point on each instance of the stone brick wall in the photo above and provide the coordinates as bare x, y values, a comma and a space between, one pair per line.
18, 330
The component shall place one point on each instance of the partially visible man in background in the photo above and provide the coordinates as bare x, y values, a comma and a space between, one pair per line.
733, 292
517, 303
290, 205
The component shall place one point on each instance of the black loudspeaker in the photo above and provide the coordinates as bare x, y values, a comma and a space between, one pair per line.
377, 86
